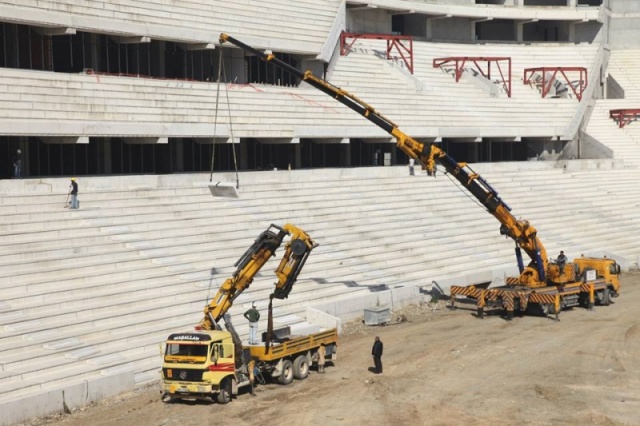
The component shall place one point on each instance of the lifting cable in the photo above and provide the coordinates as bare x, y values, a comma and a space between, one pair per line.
465, 192
222, 72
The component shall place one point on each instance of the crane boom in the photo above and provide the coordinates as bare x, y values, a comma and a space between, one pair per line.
428, 155
297, 250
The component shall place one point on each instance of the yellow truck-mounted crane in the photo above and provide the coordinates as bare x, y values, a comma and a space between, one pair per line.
540, 282
213, 363
251, 262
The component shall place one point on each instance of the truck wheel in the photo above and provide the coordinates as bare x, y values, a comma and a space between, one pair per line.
286, 377
224, 396
301, 367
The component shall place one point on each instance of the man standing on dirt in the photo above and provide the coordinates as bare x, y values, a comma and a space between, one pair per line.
253, 316
322, 353
376, 351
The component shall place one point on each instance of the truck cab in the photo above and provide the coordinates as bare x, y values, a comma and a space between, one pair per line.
605, 268
205, 364
201, 365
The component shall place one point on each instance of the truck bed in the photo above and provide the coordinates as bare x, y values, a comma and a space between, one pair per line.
294, 345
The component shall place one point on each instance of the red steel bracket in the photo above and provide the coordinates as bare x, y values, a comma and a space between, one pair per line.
624, 116
400, 43
461, 61
578, 87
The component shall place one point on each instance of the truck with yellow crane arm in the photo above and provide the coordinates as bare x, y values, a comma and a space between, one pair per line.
210, 362
542, 285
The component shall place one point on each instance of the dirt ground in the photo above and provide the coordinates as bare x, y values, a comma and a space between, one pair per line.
441, 367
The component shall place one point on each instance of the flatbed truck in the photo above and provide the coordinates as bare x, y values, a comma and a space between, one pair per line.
210, 362
202, 364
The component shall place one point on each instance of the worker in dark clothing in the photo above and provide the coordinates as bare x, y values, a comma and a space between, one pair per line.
74, 194
561, 260
253, 316
376, 351
17, 165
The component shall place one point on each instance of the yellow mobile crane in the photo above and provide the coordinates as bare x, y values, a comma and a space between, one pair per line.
541, 282
212, 363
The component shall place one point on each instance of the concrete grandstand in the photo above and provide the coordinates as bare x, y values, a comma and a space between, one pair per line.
124, 96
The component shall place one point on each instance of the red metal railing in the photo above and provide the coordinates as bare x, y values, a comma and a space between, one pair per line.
401, 44
461, 61
549, 77
624, 116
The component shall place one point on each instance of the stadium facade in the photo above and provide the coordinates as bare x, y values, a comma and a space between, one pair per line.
100, 88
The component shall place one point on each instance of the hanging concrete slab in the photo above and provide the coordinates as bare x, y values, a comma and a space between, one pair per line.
224, 189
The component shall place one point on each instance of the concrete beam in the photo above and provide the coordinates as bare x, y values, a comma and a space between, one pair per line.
65, 140
379, 140
201, 46
475, 21
402, 12
59, 31
146, 140
433, 18
363, 7
330, 140
222, 140
134, 40
279, 141
504, 139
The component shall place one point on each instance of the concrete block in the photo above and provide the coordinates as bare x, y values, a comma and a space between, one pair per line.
147, 377
62, 344
181, 267
40, 335
82, 353
25, 325
23, 408
99, 388
322, 319
107, 359
303, 328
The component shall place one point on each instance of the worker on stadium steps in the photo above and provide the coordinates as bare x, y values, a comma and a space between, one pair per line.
322, 352
253, 316
561, 260
17, 165
73, 204
376, 351
412, 163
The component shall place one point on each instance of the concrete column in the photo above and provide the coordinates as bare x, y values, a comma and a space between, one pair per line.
572, 3
572, 31
519, 31
106, 155
244, 155
297, 164
345, 155
95, 51
157, 58
178, 157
